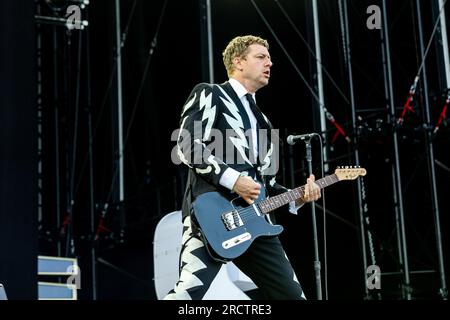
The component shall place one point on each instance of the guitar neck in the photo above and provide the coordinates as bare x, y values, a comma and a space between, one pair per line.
275, 202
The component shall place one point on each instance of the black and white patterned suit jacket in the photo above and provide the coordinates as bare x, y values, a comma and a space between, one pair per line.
213, 137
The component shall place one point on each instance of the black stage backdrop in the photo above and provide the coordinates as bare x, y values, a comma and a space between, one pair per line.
18, 150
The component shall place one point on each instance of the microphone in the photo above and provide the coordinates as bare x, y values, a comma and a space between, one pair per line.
293, 139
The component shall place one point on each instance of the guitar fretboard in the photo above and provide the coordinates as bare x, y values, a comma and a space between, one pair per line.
275, 202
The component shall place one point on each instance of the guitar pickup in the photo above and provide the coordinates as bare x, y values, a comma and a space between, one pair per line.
232, 220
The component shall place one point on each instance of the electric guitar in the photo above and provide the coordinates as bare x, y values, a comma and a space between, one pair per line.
228, 228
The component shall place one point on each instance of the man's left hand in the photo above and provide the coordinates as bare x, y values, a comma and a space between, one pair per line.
312, 190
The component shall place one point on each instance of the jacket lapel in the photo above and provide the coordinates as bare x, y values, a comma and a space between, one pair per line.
232, 94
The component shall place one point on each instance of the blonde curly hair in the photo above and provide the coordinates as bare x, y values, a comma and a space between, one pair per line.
238, 47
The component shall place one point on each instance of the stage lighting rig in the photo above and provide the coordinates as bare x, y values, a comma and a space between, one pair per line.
60, 5
56, 5
65, 13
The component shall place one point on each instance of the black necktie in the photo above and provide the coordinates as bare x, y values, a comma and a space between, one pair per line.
262, 123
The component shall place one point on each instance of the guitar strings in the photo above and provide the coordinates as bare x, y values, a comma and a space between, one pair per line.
248, 213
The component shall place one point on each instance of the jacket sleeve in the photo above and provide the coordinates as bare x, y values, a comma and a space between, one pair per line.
197, 120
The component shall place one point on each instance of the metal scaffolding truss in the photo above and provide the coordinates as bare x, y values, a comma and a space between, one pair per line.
401, 229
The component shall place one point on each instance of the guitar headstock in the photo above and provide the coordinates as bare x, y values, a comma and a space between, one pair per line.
349, 173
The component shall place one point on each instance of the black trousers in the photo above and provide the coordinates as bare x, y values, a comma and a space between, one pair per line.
265, 262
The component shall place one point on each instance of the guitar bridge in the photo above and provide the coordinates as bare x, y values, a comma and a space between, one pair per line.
232, 220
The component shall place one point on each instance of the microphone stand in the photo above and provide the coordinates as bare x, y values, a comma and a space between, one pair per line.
317, 266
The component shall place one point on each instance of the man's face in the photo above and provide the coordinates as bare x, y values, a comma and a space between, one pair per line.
256, 66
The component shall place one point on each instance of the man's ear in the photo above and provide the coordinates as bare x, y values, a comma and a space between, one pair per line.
237, 63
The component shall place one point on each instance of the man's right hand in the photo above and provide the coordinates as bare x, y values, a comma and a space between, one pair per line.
247, 188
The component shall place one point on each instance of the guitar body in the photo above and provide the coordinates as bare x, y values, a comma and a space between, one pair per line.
230, 227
